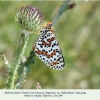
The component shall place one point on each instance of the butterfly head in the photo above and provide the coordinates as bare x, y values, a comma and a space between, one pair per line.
49, 25
46, 28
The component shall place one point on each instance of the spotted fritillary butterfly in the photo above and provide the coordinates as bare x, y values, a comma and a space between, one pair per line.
47, 48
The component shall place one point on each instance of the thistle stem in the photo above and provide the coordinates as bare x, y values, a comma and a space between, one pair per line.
17, 58
65, 6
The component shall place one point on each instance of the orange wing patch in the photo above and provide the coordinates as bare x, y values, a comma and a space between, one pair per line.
53, 63
46, 54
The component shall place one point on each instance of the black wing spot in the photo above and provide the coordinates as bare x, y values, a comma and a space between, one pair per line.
45, 37
57, 66
41, 46
54, 58
43, 58
46, 60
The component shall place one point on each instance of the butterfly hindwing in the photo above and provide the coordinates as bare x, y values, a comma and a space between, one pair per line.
48, 50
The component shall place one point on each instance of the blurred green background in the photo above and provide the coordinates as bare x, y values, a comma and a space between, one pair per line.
78, 32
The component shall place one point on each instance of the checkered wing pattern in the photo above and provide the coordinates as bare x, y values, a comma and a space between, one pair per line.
47, 48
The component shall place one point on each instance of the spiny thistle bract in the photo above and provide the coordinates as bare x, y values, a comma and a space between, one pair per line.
29, 18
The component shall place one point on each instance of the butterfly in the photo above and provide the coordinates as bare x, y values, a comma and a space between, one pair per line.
47, 48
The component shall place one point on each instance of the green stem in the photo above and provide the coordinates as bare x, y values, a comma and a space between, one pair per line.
65, 6
17, 58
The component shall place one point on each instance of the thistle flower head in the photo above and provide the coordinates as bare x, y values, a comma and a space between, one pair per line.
29, 18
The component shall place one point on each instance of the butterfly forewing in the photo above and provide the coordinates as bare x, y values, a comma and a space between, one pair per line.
48, 50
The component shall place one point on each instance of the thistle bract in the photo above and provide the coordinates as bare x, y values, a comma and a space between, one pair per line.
29, 18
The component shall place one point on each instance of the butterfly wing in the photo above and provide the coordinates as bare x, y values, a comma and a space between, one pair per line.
48, 50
